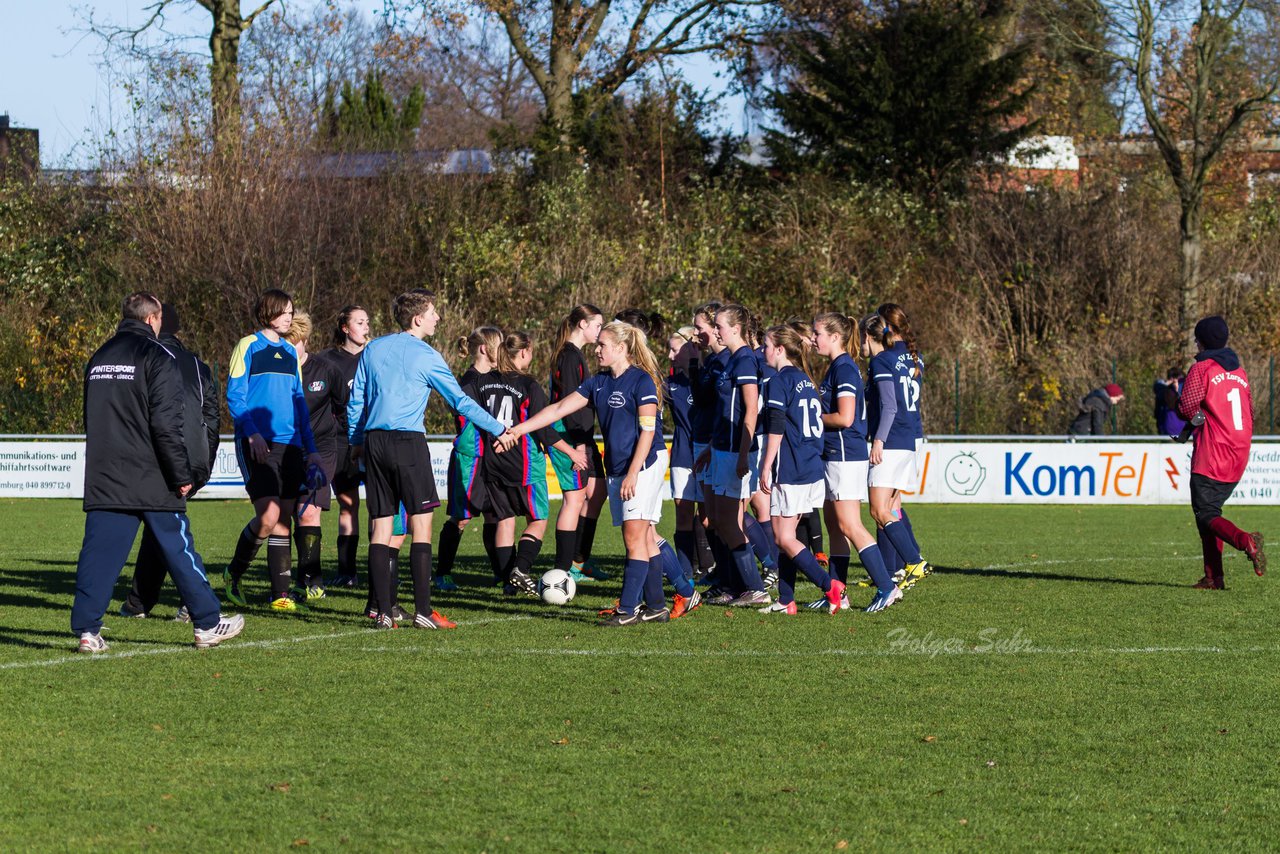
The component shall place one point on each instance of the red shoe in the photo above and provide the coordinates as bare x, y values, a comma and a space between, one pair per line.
435, 621
609, 612
1209, 583
684, 606
1256, 555
835, 594
822, 559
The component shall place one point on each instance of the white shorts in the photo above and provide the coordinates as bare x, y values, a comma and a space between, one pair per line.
647, 502
846, 480
703, 476
684, 485
897, 471
795, 499
724, 475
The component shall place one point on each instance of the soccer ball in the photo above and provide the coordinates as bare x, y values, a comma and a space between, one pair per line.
556, 587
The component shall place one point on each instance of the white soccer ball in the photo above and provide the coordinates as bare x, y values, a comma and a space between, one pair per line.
557, 587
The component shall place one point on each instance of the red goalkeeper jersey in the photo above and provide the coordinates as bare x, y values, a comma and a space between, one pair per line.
1222, 394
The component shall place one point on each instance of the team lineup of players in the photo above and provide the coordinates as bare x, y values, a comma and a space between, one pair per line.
765, 446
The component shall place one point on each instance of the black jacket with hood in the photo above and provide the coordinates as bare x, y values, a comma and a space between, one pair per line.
202, 411
1092, 414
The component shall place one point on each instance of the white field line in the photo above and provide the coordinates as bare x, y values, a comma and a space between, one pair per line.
231, 645
834, 653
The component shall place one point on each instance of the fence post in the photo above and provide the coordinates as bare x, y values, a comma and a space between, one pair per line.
957, 429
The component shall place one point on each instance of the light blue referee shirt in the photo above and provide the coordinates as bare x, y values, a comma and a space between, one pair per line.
393, 383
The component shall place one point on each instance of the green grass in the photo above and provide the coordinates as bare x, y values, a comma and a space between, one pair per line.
1126, 712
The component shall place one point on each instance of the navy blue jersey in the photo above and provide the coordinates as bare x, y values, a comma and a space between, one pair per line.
705, 377
896, 364
617, 402
800, 457
739, 372
680, 393
766, 373
843, 379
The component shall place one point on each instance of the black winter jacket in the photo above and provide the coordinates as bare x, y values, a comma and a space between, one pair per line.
136, 458
1092, 414
202, 411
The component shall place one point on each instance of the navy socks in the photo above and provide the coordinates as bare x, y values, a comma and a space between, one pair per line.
673, 569
903, 544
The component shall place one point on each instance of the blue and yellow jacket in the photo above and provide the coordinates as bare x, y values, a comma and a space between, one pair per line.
264, 392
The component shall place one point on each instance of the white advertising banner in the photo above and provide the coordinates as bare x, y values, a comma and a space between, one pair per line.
35, 469
1016, 472
952, 471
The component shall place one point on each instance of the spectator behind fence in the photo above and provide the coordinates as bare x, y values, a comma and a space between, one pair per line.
1093, 410
1166, 392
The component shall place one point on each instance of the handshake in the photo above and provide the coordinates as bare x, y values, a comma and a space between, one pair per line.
510, 436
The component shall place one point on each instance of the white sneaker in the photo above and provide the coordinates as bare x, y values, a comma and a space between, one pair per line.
749, 598
92, 642
227, 628
779, 608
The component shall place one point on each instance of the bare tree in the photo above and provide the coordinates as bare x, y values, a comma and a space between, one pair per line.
568, 46
227, 24
1200, 70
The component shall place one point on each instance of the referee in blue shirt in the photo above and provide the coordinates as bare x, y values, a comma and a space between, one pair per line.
393, 382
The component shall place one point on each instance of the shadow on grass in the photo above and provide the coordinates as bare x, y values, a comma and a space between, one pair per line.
1047, 576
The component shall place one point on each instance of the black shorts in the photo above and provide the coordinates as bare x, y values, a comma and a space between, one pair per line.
281, 476
348, 476
1207, 497
508, 500
324, 494
397, 467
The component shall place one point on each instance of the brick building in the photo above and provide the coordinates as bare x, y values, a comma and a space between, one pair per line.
19, 151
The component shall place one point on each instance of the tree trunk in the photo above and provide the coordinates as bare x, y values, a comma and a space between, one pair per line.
1189, 307
559, 93
224, 72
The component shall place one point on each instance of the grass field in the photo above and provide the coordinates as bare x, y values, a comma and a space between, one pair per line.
1055, 684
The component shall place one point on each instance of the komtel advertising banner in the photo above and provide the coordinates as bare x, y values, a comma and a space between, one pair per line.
951, 471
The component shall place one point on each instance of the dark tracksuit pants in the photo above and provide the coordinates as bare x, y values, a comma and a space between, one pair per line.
148, 575
108, 537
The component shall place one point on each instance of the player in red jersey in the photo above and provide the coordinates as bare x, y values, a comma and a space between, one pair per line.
1218, 387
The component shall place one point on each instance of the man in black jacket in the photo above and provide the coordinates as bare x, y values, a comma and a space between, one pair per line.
136, 470
200, 435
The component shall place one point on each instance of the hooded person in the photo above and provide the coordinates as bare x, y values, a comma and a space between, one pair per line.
1094, 409
201, 412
